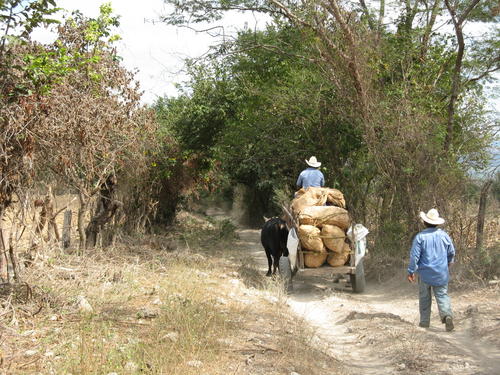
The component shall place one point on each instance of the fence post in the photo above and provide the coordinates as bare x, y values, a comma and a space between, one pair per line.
4, 274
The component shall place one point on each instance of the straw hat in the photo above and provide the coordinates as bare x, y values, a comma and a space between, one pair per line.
432, 217
313, 162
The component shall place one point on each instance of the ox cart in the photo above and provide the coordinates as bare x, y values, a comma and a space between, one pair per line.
294, 263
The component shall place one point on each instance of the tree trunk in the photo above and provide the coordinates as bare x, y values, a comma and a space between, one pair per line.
47, 216
457, 71
481, 214
53, 224
43, 218
428, 29
106, 209
455, 87
66, 238
81, 218
352, 62
406, 24
380, 22
13, 258
368, 15
49, 212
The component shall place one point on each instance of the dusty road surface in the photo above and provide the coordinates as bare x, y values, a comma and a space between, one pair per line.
376, 332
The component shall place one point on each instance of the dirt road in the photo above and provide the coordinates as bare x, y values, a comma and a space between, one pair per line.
376, 332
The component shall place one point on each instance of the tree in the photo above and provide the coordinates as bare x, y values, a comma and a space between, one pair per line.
90, 130
387, 86
460, 12
22, 100
20, 93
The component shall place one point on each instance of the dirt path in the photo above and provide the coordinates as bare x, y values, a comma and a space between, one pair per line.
376, 332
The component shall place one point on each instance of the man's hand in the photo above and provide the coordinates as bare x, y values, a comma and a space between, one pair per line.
411, 278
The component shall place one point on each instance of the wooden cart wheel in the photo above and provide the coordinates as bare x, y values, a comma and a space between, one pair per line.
358, 278
286, 273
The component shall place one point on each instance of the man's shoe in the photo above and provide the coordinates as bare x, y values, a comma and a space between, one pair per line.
424, 325
448, 321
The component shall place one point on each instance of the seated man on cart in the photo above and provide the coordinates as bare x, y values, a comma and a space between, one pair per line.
312, 176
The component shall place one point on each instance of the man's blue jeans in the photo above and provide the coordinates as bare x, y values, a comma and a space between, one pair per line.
425, 301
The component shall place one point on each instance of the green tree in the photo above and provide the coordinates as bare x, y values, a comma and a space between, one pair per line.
398, 124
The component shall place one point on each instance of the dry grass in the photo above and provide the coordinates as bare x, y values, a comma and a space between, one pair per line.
158, 308
411, 350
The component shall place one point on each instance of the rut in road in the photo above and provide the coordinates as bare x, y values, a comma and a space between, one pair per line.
376, 332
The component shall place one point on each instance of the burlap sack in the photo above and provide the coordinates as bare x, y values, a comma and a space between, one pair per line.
335, 197
339, 259
300, 192
325, 215
333, 237
310, 197
314, 260
310, 238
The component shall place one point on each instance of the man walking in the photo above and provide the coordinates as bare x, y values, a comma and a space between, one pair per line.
311, 176
431, 253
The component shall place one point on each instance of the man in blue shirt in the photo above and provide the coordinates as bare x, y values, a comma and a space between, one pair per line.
431, 253
311, 176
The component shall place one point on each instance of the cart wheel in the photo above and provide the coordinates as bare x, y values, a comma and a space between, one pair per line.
358, 278
286, 273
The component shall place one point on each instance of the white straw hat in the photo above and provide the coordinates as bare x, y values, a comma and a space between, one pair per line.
312, 162
432, 217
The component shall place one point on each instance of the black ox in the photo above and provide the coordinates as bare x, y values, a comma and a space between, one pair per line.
274, 236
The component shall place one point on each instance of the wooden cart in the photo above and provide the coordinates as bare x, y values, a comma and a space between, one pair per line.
354, 268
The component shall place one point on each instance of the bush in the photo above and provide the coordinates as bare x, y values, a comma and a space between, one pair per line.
226, 229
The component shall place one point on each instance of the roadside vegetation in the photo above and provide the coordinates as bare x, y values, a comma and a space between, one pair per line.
103, 265
156, 304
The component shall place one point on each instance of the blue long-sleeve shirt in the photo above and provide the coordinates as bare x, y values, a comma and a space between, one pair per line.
431, 252
310, 177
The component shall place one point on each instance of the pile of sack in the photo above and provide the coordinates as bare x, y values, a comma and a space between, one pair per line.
323, 223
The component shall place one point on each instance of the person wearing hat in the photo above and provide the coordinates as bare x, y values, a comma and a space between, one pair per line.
311, 176
431, 253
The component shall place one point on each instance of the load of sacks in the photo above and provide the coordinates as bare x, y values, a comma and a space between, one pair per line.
323, 223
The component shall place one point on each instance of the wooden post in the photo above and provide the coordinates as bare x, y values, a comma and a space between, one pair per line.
13, 258
4, 276
66, 236
84, 201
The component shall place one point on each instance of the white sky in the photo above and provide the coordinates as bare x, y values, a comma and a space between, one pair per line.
156, 50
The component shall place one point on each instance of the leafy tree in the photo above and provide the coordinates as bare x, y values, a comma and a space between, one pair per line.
397, 122
22, 102
192, 123
20, 93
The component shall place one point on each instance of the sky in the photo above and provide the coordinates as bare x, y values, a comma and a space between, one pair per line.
155, 49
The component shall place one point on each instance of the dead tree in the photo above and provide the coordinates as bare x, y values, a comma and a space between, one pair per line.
106, 209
